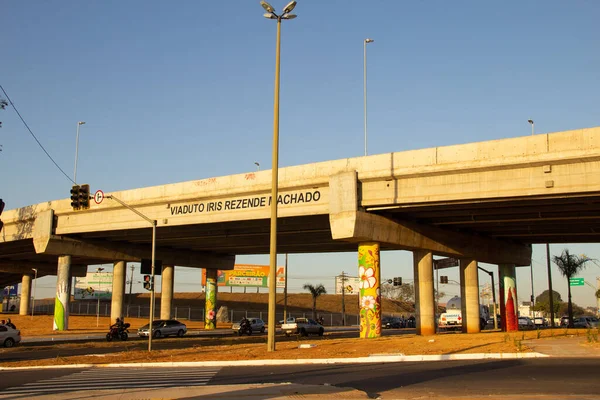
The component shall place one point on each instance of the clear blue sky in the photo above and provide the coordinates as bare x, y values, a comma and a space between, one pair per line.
177, 91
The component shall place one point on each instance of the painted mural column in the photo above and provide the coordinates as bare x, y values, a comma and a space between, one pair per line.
469, 293
370, 295
61, 302
210, 304
118, 291
424, 294
166, 293
25, 294
508, 297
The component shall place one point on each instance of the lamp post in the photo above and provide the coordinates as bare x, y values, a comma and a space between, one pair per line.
532, 126
257, 166
365, 86
34, 285
77, 151
270, 14
98, 270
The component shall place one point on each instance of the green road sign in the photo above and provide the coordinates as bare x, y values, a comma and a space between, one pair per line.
576, 282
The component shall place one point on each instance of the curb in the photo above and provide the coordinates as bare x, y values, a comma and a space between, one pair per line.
254, 363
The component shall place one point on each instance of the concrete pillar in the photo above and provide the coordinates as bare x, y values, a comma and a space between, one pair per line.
370, 295
166, 295
118, 290
25, 294
61, 302
469, 293
508, 298
210, 303
424, 293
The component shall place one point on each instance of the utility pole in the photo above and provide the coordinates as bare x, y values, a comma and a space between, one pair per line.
130, 285
343, 298
285, 290
550, 293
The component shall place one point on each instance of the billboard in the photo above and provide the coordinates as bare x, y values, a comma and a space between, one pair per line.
93, 286
247, 275
10, 291
351, 285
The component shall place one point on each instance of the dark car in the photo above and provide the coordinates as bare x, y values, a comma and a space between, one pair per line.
391, 322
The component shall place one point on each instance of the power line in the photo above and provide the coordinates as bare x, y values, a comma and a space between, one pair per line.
36, 139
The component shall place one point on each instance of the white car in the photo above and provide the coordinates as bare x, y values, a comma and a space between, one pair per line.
9, 336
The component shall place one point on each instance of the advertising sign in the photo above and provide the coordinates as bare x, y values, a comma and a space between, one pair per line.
247, 275
93, 286
351, 285
10, 291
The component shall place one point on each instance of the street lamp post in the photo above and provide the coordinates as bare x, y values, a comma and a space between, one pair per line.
532, 126
270, 14
77, 151
257, 166
98, 271
365, 86
34, 285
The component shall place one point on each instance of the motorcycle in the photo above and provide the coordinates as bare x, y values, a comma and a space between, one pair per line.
117, 332
245, 327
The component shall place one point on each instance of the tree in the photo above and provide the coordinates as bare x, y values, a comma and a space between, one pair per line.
544, 297
598, 294
315, 292
569, 265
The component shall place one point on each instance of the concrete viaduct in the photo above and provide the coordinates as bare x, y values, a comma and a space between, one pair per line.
478, 202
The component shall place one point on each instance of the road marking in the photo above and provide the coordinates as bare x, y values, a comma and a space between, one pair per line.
108, 378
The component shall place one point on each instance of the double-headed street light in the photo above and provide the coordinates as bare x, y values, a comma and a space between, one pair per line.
270, 14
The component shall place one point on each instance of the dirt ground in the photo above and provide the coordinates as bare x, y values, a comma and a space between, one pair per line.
232, 348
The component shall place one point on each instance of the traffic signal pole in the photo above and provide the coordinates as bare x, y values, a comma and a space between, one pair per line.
152, 293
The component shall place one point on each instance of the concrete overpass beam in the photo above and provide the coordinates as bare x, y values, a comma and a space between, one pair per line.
25, 294
469, 293
210, 303
166, 294
61, 302
118, 291
508, 298
370, 299
424, 294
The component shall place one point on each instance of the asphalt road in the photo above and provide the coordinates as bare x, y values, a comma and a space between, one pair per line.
527, 378
65, 348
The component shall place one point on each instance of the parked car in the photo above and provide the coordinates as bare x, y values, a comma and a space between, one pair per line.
164, 328
391, 322
525, 323
257, 325
540, 322
564, 321
586, 321
9, 336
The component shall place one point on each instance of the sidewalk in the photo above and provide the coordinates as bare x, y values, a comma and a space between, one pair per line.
573, 346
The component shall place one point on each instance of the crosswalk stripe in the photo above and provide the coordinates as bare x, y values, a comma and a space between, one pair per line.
97, 379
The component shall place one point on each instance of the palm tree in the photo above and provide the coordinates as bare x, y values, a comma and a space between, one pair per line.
315, 291
569, 265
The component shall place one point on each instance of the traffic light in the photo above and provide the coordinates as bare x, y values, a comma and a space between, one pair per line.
443, 279
84, 196
2, 204
75, 197
148, 284
397, 281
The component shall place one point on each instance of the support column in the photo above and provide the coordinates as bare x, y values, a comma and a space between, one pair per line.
370, 295
210, 303
469, 293
25, 294
166, 294
118, 291
61, 302
424, 293
508, 297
